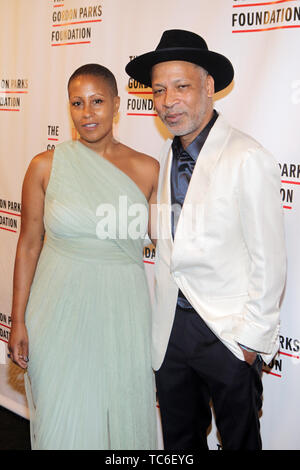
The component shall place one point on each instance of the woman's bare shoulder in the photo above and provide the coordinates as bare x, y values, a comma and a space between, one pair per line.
42, 160
39, 168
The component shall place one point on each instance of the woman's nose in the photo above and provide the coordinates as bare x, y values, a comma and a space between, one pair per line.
87, 110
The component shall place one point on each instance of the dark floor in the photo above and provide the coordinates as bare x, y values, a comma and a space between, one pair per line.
14, 431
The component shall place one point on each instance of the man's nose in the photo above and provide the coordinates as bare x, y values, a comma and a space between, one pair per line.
170, 98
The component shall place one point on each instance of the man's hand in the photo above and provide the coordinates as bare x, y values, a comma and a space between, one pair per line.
249, 356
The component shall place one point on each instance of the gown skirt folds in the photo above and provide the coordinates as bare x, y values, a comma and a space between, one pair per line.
90, 383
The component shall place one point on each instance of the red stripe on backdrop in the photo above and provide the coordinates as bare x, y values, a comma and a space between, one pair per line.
289, 355
10, 213
8, 229
140, 114
265, 29
262, 4
290, 182
71, 43
273, 373
75, 22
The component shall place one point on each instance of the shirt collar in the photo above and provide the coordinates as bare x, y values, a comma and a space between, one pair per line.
195, 147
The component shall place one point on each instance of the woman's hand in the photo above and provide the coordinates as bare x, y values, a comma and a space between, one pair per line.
18, 344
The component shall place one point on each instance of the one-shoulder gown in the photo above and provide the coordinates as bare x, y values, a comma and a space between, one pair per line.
89, 382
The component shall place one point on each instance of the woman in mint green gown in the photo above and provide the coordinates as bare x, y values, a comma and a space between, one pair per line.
81, 308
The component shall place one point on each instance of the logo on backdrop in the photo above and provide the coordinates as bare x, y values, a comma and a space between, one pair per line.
12, 91
140, 99
290, 179
5, 325
289, 350
149, 254
10, 215
52, 136
71, 26
251, 17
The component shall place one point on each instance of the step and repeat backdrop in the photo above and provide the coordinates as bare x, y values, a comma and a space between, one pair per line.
43, 42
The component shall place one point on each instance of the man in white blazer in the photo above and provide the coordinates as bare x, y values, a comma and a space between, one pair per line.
220, 255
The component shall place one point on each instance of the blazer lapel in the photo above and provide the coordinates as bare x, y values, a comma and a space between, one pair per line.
164, 207
204, 170
165, 196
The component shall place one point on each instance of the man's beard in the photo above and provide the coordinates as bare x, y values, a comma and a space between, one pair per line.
185, 128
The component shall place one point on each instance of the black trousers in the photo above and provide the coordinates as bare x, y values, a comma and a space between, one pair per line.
198, 368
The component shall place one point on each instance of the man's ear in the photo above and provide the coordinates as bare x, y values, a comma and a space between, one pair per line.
210, 86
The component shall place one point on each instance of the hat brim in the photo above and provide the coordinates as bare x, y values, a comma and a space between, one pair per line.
217, 65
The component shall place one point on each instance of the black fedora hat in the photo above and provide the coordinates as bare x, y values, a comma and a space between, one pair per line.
177, 44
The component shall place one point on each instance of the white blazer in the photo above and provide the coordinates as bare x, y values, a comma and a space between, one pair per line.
228, 254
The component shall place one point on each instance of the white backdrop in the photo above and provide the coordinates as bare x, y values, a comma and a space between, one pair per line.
42, 43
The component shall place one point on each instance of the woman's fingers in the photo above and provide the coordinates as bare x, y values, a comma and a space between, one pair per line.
19, 355
18, 345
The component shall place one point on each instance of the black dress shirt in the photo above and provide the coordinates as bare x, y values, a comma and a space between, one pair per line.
183, 164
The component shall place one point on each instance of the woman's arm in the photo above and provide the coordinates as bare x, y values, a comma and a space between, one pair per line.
28, 251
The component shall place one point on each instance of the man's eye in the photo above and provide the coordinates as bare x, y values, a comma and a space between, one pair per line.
157, 91
76, 103
98, 101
